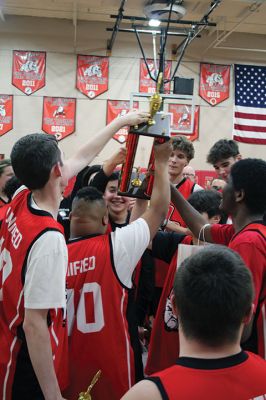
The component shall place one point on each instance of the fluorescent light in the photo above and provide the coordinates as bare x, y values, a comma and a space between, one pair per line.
154, 22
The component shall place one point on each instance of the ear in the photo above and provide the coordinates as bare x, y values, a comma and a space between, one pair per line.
238, 157
173, 302
250, 314
57, 169
105, 219
239, 195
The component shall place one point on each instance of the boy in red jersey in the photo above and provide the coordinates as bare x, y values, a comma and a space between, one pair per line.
33, 265
213, 295
222, 155
99, 276
164, 343
244, 198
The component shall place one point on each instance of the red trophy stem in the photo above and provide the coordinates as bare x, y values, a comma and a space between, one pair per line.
132, 144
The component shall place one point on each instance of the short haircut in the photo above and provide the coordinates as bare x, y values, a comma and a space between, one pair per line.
3, 164
183, 144
90, 195
206, 201
213, 293
89, 171
250, 175
114, 176
33, 157
11, 186
222, 150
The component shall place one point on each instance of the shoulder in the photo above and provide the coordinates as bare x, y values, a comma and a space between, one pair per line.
145, 390
50, 242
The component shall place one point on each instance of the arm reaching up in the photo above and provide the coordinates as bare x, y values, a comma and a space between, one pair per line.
160, 197
89, 150
194, 220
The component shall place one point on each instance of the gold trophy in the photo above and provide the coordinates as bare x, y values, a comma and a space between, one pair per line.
157, 126
86, 395
155, 100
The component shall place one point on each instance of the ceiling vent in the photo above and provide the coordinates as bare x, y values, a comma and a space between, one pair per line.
159, 9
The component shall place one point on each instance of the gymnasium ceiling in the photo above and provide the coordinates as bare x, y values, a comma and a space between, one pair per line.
233, 17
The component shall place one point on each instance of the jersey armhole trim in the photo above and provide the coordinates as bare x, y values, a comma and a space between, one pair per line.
24, 265
157, 381
113, 263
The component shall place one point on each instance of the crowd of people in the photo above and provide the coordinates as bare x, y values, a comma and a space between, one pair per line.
165, 297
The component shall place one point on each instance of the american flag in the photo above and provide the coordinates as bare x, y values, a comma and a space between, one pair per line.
250, 104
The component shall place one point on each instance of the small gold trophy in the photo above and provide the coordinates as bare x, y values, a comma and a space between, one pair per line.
86, 395
155, 100
136, 182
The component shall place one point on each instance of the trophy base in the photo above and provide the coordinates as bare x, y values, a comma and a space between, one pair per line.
160, 128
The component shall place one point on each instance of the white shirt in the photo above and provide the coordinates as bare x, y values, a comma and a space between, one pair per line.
129, 243
45, 280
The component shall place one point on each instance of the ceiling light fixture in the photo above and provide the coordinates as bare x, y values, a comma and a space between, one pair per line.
154, 22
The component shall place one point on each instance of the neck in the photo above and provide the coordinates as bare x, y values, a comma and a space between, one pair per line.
195, 349
243, 217
176, 179
47, 200
119, 218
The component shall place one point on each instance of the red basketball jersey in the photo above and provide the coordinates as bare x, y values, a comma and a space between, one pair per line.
98, 329
161, 268
20, 228
237, 377
164, 342
185, 187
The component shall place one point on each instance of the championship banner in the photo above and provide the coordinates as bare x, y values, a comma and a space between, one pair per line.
182, 120
92, 75
214, 83
28, 71
6, 113
146, 84
59, 115
118, 108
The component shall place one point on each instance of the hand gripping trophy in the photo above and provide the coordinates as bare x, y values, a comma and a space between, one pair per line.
158, 126
86, 395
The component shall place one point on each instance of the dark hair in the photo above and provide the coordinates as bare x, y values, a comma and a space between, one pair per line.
89, 171
213, 292
114, 176
11, 186
250, 175
6, 162
88, 194
206, 201
183, 144
33, 156
221, 150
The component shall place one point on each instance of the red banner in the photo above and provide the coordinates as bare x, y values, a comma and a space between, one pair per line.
205, 178
117, 108
92, 75
6, 113
182, 120
28, 71
59, 115
146, 84
214, 83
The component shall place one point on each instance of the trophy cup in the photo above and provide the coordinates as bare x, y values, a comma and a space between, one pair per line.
86, 395
158, 126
